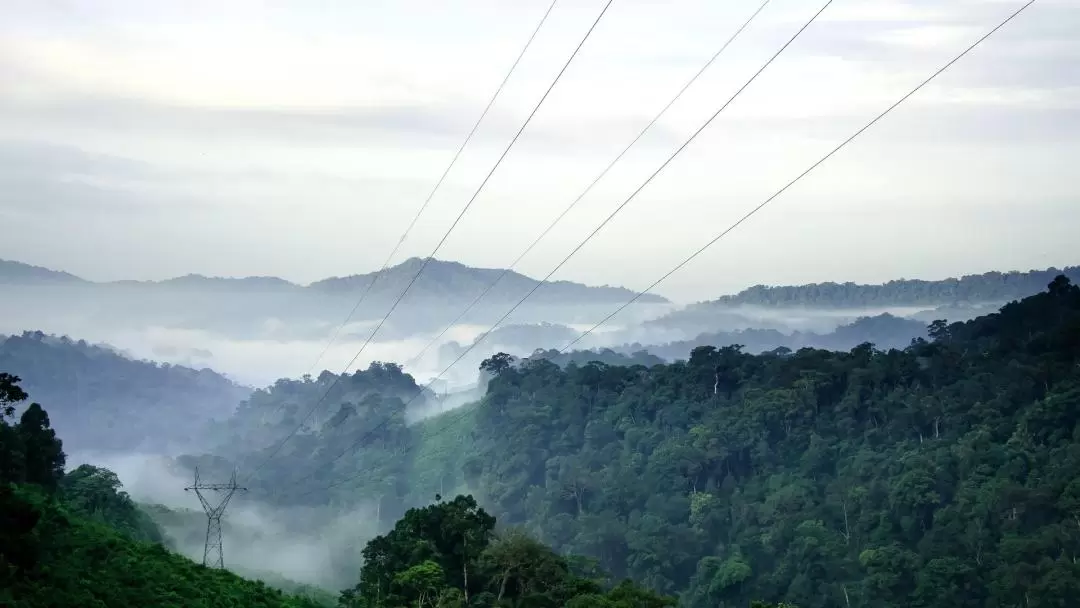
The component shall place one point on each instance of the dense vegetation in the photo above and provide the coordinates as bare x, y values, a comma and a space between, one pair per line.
449, 554
941, 475
102, 400
78, 540
946, 474
606, 356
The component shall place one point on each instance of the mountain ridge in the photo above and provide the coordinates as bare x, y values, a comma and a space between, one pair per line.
970, 288
445, 274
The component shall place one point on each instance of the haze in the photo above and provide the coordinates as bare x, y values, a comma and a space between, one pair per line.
148, 140
148, 150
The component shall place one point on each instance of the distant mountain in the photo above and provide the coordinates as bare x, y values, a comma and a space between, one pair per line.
976, 288
253, 284
440, 279
100, 400
823, 306
19, 273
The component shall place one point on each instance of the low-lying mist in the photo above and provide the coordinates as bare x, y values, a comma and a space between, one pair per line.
315, 546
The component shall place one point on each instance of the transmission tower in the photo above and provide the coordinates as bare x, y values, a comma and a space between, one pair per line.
223, 493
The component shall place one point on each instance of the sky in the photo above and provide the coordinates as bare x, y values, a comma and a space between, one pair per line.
144, 140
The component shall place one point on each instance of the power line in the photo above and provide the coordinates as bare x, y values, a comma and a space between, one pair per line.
589, 188
431, 195
426, 260
799, 177
859, 132
438, 184
602, 224
633, 195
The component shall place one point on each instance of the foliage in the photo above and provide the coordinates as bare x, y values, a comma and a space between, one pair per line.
606, 356
943, 474
79, 540
940, 475
49, 557
96, 494
368, 403
447, 554
30, 451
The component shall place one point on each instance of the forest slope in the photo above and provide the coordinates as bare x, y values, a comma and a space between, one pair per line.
946, 474
75, 539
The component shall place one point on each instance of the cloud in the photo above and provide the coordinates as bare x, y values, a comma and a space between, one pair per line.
254, 139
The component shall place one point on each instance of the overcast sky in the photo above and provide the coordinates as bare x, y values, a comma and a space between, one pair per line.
143, 139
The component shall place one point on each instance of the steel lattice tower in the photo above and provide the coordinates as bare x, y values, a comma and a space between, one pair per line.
212, 552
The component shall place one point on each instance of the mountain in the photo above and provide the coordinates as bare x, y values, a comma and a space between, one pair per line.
269, 308
17, 273
442, 279
101, 400
940, 475
822, 307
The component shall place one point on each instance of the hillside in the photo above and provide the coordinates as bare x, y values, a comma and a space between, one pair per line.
940, 475
102, 400
76, 539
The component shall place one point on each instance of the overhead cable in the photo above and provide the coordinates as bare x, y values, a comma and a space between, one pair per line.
446, 235
588, 189
605, 222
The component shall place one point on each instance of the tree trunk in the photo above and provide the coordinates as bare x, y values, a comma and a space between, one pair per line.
465, 566
847, 532
502, 585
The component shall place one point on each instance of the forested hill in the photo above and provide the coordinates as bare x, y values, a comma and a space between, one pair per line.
102, 400
941, 475
77, 539
944, 475
986, 287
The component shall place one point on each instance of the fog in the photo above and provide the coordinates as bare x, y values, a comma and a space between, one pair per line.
277, 347
261, 358
133, 417
315, 546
